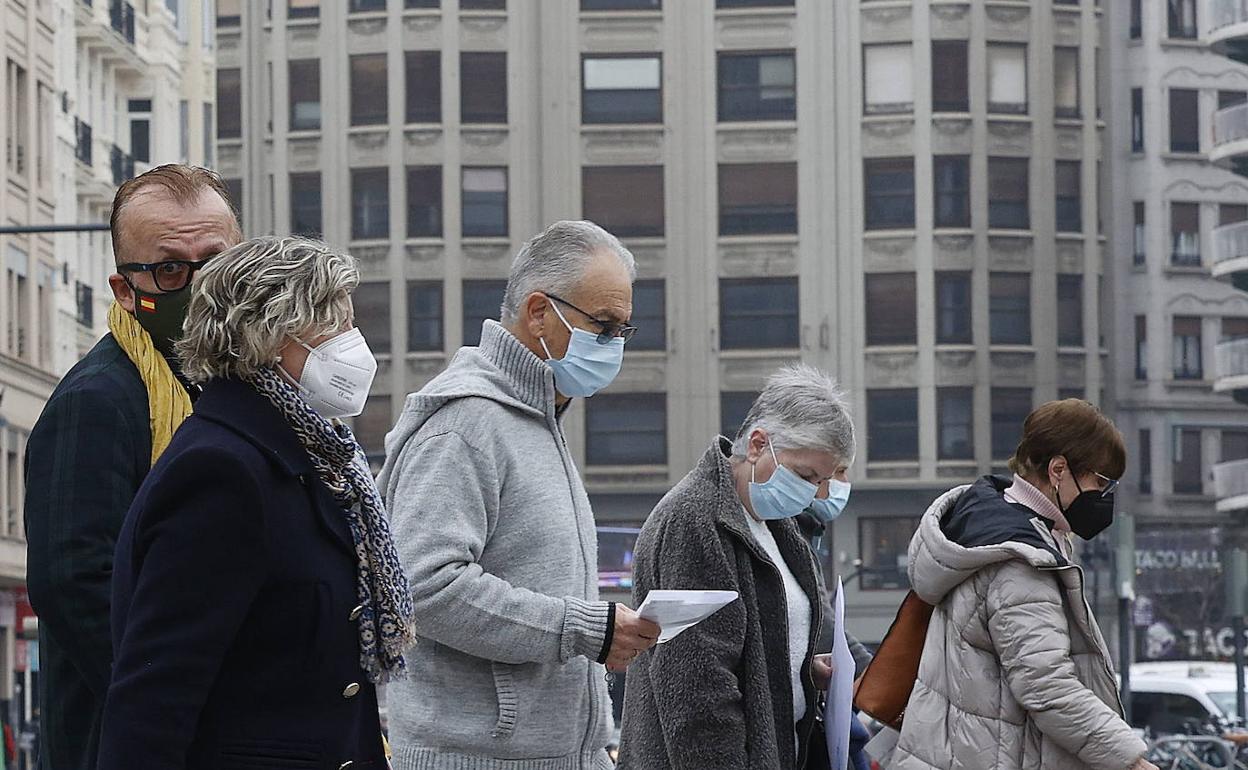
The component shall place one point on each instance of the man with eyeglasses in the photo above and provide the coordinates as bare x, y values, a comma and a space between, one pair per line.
101, 431
496, 533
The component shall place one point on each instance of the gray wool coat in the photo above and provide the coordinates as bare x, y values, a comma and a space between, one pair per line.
720, 694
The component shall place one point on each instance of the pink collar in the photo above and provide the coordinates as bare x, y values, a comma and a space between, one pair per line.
1022, 491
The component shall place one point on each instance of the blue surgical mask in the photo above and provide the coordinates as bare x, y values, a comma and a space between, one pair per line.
833, 506
588, 366
782, 496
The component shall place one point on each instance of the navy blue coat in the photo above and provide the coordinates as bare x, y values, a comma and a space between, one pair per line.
234, 606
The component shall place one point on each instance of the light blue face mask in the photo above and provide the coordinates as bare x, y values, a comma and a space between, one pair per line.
588, 366
782, 496
828, 509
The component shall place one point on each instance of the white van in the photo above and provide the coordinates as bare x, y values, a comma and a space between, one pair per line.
1167, 695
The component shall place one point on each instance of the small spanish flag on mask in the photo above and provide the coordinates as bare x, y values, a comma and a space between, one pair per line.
147, 304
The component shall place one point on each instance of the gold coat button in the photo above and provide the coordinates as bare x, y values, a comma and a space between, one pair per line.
351, 690
356, 613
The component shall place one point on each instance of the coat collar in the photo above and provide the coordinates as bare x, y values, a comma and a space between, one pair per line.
238, 406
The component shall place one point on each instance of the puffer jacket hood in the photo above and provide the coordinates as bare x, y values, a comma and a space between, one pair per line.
972, 527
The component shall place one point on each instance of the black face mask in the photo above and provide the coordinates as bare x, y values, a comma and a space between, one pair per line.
1090, 513
162, 316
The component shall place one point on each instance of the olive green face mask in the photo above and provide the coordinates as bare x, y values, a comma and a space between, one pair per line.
161, 315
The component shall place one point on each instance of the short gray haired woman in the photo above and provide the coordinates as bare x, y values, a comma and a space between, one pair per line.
257, 597
738, 690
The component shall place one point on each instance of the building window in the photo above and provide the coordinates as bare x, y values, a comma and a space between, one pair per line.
1232, 213
366, 6
1181, 19
1137, 22
757, 86
370, 429
1137, 120
883, 548
305, 204
1185, 234
888, 78
1010, 407
626, 429
424, 201
621, 5
758, 313
953, 308
950, 75
305, 94
621, 89
757, 198
229, 104
483, 87
1069, 196
733, 408
235, 188
889, 192
1007, 79
1141, 347
896, 292
1066, 82
370, 203
1227, 99
1139, 235
649, 315
482, 5
1146, 461
484, 202
1234, 446
1070, 310
141, 129
229, 13
1187, 473
952, 178
423, 86
1187, 348
1184, 120
893, 425
625, 200
371, 302
752, 3
424, 315
955, 414
368, 89
482, 300
303, 9
1009, 194
1234, 327
1009, 308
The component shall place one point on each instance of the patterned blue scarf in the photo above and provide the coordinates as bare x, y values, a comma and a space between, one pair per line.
385, 623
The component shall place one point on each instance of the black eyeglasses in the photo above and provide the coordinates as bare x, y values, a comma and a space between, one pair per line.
609, 329
169, 275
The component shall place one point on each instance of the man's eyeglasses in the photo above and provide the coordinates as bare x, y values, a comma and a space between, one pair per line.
608, 330
169, 275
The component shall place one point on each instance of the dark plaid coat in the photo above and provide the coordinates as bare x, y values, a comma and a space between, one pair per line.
85, 459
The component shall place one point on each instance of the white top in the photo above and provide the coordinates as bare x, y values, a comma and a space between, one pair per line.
798, 606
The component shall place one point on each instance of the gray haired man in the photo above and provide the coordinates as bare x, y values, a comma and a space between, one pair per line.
495, 530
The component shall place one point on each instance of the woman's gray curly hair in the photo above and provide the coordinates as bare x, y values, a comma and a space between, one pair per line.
250, 300
801, 407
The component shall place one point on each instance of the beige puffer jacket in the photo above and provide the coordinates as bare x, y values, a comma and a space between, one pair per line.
1015, 673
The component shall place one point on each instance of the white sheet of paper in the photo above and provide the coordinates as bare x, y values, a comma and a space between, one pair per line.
839, 707
676, 611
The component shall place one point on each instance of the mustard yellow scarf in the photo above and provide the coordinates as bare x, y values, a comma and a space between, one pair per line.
168, 402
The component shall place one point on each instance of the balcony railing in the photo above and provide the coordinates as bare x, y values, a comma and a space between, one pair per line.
1230, 242
123, 165
121, 18
1230, 125
1232, 358
1224, 13
82, 130
1230, 480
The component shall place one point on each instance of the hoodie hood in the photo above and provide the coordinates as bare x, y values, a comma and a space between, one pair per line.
972, 527
501, 369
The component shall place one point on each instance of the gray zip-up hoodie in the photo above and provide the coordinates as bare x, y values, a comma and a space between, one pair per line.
497, 538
